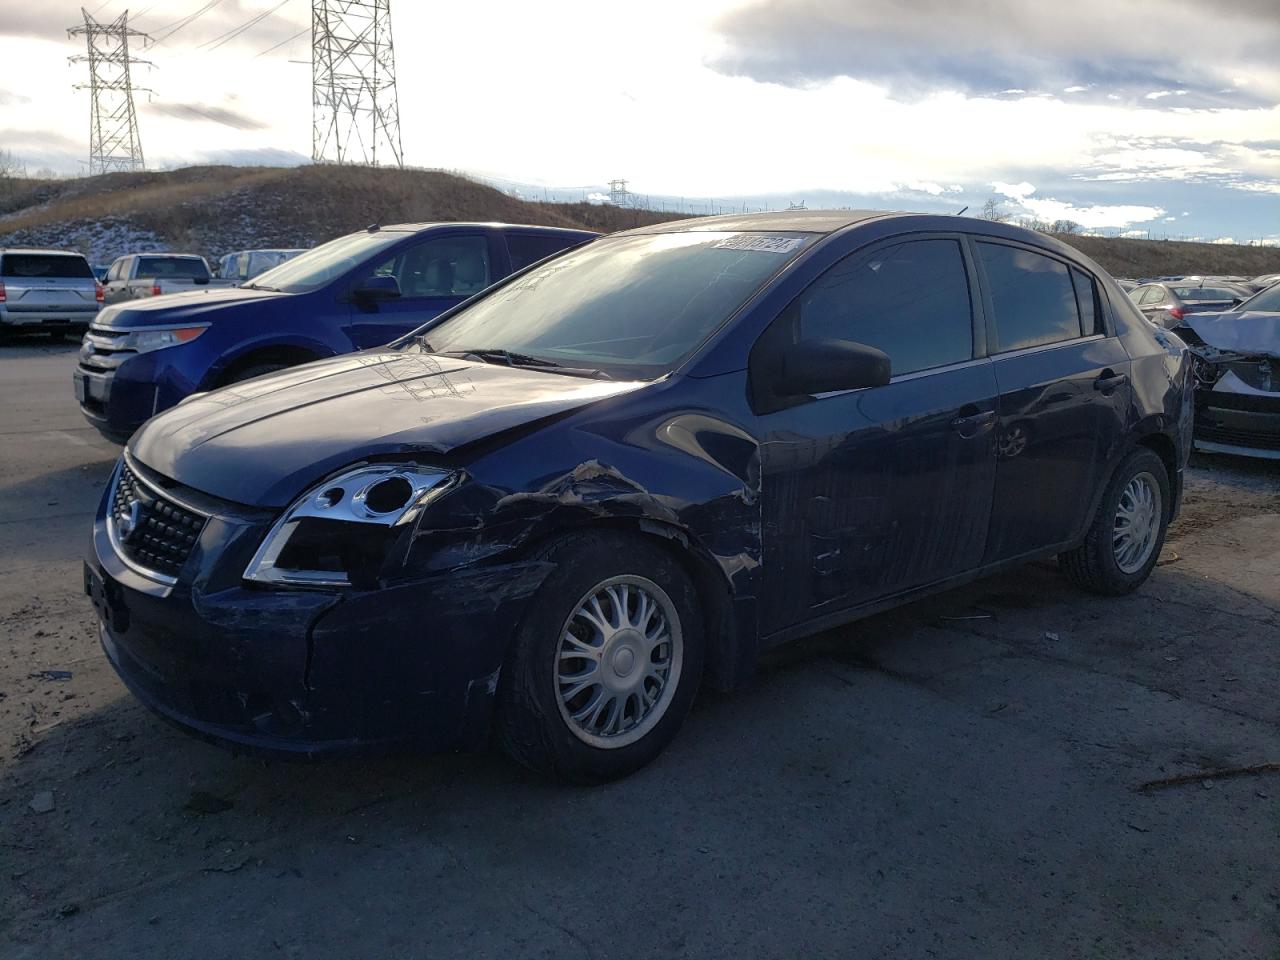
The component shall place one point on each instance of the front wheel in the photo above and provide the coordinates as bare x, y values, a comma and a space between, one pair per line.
1123, 543
605, 665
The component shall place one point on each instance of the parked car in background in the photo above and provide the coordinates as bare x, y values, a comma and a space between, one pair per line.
1237, 368
244, 265
561, 506
1258, 284
1125, 284
1167, 303
53, 290
100, 270
356, 292
141, 275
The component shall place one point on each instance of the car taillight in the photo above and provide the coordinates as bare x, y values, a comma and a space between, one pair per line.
99, 293
155, 289
3, 296
1177, 313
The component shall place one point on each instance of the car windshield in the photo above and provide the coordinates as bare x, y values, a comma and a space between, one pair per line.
630, 306
185, 268
313, 269
44, 266
1267, 301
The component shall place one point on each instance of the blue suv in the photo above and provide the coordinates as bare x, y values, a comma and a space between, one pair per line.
359, 291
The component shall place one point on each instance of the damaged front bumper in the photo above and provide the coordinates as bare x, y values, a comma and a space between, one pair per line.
1237, 373
307, 672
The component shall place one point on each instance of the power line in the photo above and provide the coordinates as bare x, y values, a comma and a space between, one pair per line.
186, 21
234, 32
277, 46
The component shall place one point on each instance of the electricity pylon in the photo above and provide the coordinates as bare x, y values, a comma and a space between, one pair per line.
355, 111
114, 143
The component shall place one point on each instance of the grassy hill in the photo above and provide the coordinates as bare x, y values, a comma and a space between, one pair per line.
215, 210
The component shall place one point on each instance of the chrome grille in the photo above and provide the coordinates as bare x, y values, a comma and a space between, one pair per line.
103, 349
148, 528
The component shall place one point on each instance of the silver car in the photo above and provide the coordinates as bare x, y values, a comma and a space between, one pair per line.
53, 290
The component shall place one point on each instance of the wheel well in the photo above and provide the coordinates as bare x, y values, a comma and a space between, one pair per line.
1163, 447
288, 356
721, 669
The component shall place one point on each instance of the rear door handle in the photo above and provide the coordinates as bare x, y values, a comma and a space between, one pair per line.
971, 424
1109, 381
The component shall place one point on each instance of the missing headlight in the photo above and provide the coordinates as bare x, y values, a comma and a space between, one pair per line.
340, 531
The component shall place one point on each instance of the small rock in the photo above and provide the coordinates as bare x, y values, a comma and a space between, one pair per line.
69, 909
42, 802
1051, 637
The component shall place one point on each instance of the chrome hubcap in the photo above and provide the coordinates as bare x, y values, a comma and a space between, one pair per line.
618, 661
1137, 523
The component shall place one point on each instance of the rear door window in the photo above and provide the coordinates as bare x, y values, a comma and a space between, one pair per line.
1152, 295
527, 248
910, 300
44, 266
1033, 298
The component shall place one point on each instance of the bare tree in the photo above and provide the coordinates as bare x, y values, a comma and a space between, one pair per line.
10, 169
1068, 227
993, 209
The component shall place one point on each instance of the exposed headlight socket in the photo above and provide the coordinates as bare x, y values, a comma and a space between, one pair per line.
342, 524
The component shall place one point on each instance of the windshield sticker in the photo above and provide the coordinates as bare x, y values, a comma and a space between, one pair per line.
763, 244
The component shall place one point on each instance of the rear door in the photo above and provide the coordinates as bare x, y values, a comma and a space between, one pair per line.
434, 275
1064, 388
868, 493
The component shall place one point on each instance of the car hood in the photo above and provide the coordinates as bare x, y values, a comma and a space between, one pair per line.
196, 306
1247, 332
263, 442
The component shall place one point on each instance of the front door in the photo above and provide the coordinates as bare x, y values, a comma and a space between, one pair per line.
869, 493
434, 276
1064, 396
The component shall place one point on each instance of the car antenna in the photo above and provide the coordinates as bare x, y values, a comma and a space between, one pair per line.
962, 210
373, 228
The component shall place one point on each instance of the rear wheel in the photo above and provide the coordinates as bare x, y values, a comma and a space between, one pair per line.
1124, 541
605, 665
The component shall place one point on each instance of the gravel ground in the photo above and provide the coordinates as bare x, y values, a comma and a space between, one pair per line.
1009, 770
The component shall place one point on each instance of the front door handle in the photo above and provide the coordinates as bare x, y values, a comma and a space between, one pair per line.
971, 424
1108, 381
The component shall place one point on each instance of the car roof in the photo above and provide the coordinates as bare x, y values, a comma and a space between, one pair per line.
52, 253
803, 221
536, 228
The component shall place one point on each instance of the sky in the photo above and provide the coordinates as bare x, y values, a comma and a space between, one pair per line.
1125, 116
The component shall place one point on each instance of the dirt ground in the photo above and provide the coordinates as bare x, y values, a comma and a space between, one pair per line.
1010, 770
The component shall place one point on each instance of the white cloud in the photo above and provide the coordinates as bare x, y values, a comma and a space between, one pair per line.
1224, 240
1014, 191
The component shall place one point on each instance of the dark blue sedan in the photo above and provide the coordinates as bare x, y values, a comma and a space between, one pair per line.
561, 507
359, 291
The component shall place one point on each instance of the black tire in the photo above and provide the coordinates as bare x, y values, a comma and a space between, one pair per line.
257, 370
1093, 565
530, 724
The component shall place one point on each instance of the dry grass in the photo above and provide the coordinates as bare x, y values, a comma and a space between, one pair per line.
1156, 258
212, 209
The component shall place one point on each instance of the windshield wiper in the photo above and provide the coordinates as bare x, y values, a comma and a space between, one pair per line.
513, 359
258, 286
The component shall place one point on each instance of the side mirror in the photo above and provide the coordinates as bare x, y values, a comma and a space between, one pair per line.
374, 289
824, 366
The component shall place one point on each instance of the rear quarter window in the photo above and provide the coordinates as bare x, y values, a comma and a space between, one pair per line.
527, 248
44, 266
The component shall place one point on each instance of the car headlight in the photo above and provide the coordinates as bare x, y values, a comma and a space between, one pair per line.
143, 341
338, 533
